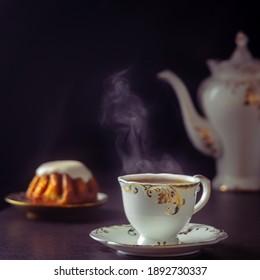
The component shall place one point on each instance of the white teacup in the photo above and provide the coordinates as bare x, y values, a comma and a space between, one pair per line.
158, 206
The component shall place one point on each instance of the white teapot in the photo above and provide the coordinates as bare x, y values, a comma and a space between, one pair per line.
230, 131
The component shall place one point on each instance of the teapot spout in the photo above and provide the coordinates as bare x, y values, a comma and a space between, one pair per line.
198, 128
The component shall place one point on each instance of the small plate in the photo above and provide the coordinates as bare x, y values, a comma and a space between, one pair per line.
193, 237
34, 210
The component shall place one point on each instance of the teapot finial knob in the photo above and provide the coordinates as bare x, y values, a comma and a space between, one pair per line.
241, 39
241, 53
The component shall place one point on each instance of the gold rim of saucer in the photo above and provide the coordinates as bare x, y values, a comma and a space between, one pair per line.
19, 199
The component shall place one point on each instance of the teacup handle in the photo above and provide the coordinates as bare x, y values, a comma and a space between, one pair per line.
206, 188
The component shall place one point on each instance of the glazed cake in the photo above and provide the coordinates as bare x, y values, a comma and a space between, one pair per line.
62, 182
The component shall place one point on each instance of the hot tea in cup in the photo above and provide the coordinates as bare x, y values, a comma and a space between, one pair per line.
159, 205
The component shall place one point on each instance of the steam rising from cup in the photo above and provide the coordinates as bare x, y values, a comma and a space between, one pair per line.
125, 113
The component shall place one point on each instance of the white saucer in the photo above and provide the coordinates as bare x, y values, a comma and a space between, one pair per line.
193, 237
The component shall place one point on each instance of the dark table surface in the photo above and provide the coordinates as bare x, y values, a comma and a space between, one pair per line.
53, 238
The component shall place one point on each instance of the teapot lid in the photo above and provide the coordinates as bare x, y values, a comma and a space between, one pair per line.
241, 64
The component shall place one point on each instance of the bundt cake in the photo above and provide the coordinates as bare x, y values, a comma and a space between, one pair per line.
62, 182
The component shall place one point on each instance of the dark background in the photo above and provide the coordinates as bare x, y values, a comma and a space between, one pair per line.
55, 56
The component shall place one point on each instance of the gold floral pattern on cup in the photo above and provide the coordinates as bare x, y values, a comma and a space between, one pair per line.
167, 195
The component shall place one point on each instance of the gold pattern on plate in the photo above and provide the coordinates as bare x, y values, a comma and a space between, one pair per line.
161, 243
